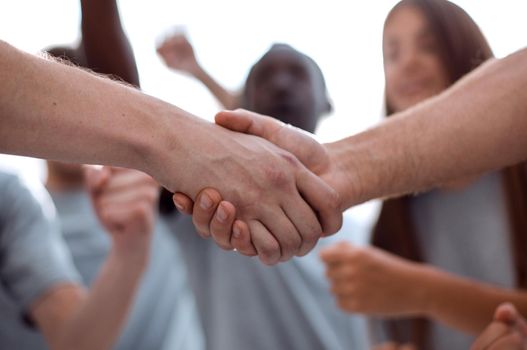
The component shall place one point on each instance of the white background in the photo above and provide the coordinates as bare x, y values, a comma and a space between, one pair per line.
344, 37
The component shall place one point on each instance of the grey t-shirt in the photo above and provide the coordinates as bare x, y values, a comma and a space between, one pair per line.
244, 304
33, 259
467, 233
164, 313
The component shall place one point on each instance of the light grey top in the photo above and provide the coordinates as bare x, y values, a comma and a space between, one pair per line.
164, 313
244, 304
33, 259
465, 232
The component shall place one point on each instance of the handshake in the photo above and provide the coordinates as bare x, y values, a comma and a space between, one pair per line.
276, 190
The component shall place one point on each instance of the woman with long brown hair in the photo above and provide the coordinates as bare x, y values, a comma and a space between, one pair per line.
448, 257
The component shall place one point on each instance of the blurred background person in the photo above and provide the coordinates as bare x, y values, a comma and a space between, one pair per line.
442, 261
178, 54
44, 304
164, 314
242, 303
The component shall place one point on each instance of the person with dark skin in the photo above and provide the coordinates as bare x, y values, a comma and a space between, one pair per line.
287, 306
178, 54
279, 85
103, 48
164, 307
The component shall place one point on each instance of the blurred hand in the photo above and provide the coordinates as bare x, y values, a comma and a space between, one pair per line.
177, 53
235, 233
508, 331
370, 281
125, 201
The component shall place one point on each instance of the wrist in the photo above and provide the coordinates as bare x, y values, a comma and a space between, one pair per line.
427, 292
198, 72
344, 175
131, 252
163, 147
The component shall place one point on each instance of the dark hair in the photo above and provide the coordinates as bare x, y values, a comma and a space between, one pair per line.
280, 46
462, 48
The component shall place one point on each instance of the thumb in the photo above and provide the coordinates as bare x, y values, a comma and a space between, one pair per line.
96, 177
506, 313
248, 122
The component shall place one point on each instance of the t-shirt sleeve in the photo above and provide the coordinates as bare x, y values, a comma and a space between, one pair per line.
33, 256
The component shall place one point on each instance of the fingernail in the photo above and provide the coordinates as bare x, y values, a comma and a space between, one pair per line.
205, 202
236, 232
178, 206
221, 214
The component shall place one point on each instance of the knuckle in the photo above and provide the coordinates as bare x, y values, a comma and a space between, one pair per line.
292, 243
333, 199
308, 244
277, 177
313, 234
247, 200
290, 159
269, 252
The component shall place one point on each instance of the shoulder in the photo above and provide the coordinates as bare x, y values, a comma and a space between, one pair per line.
20, 195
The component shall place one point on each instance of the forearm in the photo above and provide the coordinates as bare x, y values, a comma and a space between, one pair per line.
479, 124
50, 110
97, 323
105, 44
462, 303
228, 99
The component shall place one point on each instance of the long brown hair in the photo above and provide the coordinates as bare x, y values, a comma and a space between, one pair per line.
462, 47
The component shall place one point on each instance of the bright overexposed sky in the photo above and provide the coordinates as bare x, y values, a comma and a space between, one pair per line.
344, 37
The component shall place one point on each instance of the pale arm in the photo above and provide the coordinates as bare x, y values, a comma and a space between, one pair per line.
70, 318
62, 113
480, 124
96, 120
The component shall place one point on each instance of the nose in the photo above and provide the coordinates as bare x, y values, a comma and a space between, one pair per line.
281, 81
409, 61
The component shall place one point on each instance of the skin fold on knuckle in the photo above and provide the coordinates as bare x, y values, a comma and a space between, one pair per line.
278, 177
269, 253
